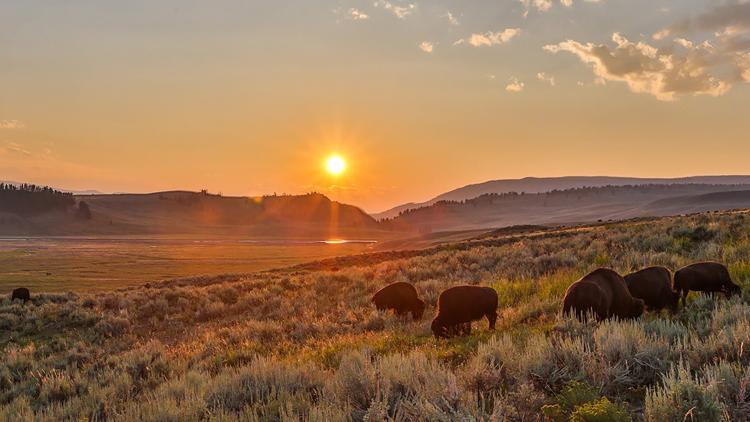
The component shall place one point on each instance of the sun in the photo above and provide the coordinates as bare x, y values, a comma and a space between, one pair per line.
335, 165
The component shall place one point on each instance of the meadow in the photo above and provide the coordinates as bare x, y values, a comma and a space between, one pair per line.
102, 263
305, 343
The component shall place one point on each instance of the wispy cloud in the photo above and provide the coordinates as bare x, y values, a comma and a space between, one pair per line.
357, 15
680, 68
545, 78
401, 12
11, 124
427, 46
729, 17
540, 5
490, 38
514, 85
451, 18
14, 148
352, 14
546, 5
22, 162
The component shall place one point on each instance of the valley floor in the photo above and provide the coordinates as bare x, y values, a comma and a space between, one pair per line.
305, 343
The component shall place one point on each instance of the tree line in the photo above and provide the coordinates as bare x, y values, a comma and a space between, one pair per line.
33, 199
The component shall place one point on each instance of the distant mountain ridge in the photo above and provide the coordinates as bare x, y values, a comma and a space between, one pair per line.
571, 206
548, 184
199, 213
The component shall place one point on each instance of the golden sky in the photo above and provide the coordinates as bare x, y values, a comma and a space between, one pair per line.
419, 97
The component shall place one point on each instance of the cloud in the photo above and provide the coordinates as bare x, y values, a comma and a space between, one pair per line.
540, 5
352, 14
20, 162
401, 12
357, 15
451, 19
14, 148
680, 68
732, 16
490, 38
544, 78
426, 46
546, 5
11, 124
514, 85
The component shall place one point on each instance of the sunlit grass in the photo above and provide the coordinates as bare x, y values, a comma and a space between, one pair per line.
308, 345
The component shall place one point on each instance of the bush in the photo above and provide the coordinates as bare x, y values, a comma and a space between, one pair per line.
602, 410
682, 397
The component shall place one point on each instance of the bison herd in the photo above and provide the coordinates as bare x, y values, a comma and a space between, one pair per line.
603, 293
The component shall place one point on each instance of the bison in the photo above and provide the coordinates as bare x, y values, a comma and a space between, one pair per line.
21, 293
604, 292
707, 277
400, 297
460, 305
654, 286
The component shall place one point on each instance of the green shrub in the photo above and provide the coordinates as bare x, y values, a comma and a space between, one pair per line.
602, 410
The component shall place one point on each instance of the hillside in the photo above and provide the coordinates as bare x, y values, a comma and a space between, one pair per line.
571, 206
305, 343
185, 213
548, 184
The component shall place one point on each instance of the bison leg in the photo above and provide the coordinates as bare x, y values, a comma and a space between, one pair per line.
684, 296
492, 318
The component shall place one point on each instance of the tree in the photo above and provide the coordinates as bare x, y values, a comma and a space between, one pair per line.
84, 212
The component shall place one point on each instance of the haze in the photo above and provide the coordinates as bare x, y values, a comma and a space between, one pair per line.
418, 97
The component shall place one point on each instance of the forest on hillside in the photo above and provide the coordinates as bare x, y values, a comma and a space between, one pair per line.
29, 199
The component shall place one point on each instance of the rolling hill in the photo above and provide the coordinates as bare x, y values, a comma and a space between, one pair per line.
571, 206
194, 213
548, 184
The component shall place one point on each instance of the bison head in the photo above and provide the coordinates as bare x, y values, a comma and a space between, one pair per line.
439, 329
418, 310
637, 308
732, 290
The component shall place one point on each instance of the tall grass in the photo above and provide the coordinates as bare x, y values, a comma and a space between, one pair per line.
308, 345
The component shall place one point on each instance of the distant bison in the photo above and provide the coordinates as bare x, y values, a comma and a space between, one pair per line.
707, 277
21, 293
400, 297
604, 292
460, 305
654, 286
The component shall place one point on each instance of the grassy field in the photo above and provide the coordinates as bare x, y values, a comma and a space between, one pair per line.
306, 344
98, 264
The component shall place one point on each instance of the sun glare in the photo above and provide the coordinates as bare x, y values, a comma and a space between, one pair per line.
335, 165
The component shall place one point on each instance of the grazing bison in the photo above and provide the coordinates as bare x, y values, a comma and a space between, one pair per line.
460, 305
604, 292
707, 277
21, 293
654, 286
401, 297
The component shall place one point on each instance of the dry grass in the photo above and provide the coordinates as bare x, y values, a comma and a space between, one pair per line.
306, 344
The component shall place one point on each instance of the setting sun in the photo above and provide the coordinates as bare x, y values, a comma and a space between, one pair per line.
335, 165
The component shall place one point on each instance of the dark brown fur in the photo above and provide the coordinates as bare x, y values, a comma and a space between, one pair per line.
707, 277
401, 297
654, 286
604, 292
21, 293
460, 305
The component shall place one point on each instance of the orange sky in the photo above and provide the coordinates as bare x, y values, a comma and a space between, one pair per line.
250, 98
